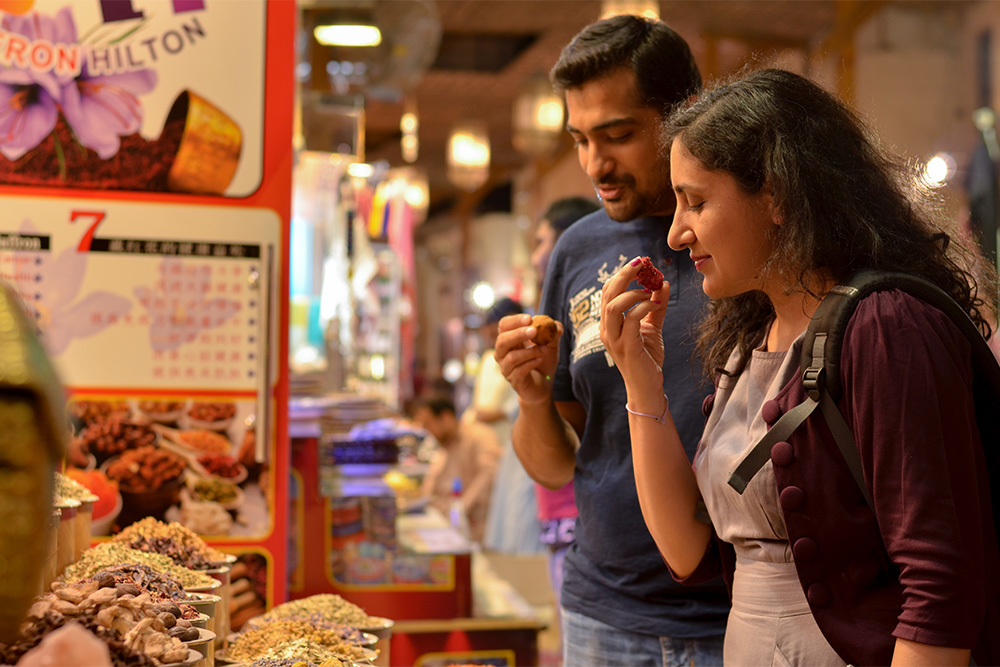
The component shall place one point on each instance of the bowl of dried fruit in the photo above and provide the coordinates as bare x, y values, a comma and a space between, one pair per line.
149, 479
162, 412
113, 435
224, 467
204, 441
210, 415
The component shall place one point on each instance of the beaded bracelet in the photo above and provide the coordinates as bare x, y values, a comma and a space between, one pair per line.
662, 419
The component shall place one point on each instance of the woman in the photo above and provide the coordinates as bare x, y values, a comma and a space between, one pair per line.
782, 193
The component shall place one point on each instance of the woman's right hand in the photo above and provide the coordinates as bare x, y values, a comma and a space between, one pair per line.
632, 331
528, 367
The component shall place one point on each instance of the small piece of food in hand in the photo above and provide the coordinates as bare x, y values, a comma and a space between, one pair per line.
546, 328
649, 276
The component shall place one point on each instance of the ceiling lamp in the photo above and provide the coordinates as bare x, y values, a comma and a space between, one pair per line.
647, 8
347, 28
469, 155
538, 117
348, 35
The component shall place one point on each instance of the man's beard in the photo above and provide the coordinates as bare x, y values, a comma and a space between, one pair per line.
633, 204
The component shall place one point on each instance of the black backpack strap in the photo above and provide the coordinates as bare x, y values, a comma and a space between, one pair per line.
835, 312
850, 293
826, 330
814, 361
820, 362
761, 452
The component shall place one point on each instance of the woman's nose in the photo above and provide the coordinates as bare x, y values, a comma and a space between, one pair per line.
679, 236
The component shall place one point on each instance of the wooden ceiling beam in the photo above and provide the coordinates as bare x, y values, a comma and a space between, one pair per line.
850, 16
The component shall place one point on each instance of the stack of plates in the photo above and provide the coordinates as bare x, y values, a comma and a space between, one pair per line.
349, 410
306, 384
331, 414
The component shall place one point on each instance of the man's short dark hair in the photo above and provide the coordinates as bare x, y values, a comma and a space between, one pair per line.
564, 212
665, 71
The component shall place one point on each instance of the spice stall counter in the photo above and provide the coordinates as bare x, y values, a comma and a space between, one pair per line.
502, 630
346, 539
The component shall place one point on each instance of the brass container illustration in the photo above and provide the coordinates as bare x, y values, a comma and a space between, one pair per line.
210, 147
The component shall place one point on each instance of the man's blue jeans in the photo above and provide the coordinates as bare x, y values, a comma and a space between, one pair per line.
590, 643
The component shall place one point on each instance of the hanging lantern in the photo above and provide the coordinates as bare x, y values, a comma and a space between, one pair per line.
469, 155
538, 117
647, 8
408, 126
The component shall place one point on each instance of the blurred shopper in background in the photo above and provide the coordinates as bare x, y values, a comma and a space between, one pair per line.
511, 525
468, 451
556, 508
557, 218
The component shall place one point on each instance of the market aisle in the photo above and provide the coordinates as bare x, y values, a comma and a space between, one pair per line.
528, 575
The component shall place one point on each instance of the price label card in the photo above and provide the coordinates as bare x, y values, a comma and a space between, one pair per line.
133, 295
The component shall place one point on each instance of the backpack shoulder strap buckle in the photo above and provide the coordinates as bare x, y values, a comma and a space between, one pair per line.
814, 373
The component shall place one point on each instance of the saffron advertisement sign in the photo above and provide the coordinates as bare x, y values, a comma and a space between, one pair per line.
145, 177
160, 95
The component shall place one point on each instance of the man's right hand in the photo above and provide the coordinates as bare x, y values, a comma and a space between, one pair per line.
528, 367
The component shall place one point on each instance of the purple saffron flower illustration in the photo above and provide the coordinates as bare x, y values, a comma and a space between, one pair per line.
29, 98
28, 113
99, 109
61, 316
102, 109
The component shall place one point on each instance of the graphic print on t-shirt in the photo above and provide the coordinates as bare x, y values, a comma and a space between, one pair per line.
585, 315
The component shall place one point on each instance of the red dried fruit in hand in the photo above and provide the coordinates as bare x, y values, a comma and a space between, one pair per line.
649, 276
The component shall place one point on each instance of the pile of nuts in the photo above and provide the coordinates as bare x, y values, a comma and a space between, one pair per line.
114, 434
147, 468
32, 634
153, 629
147, 580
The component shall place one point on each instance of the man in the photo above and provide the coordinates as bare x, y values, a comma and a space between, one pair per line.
620, 77
468, 453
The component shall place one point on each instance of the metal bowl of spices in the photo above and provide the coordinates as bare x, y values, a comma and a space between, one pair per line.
194, 657
204, 644
382, 629
205, 603
201, 621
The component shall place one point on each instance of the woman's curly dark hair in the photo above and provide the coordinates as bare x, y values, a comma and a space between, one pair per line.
846, 203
